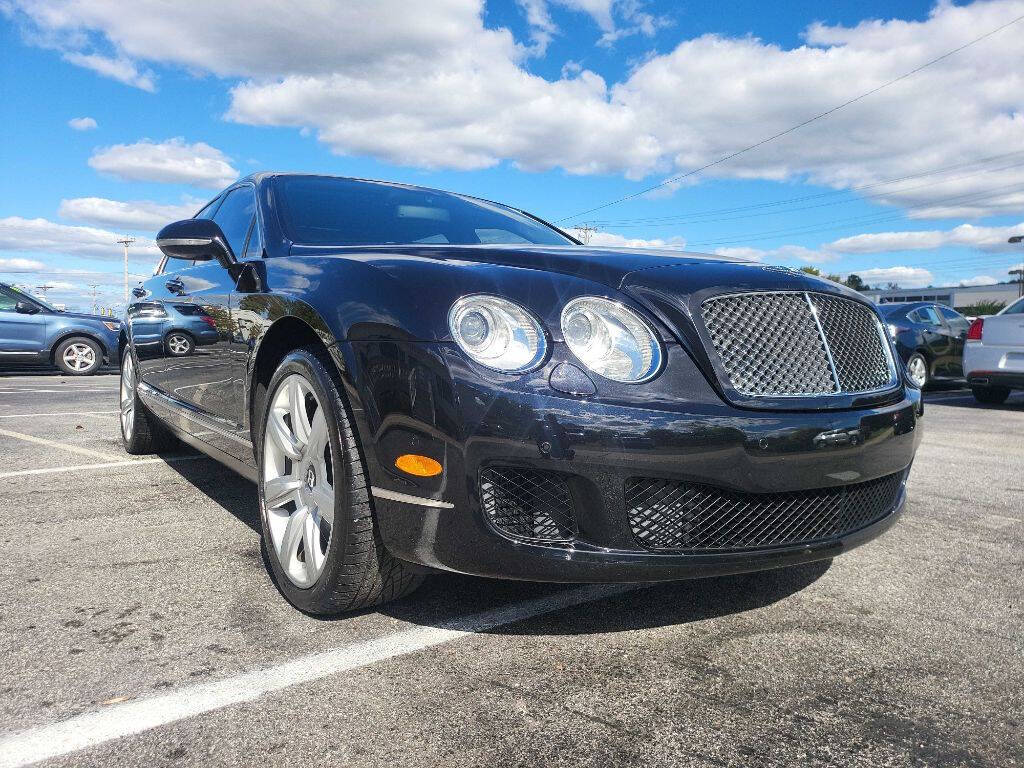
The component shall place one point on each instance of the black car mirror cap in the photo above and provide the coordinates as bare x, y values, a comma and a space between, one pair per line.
26, 308
195, 240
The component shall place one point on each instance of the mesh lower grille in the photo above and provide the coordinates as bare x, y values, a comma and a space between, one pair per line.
791, 344
528, 504
665, 514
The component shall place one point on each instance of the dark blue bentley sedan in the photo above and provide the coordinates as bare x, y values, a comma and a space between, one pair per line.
422, 380
33, 331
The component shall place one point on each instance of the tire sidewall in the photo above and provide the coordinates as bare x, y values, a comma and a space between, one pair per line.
327, 392
135, 396
96, 348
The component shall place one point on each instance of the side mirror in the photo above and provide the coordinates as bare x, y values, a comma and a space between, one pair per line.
26, 308
138, 292
195, 239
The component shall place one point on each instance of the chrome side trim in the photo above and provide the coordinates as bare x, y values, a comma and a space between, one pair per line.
146, 391
171, 241
384, 493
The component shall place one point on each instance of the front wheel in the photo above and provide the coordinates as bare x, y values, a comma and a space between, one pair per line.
917, 368
319, 533
991, 395
78, 356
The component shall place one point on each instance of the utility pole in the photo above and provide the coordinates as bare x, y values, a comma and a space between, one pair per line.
43, 289
126, 241
1019, 271
94, 286
584, 232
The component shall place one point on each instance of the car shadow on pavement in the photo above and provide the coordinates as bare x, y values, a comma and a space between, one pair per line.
444, 598
447, 597
228, 490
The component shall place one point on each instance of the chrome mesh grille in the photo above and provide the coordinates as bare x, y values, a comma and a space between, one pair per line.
664, 514
793, 344
851, 331
528, 504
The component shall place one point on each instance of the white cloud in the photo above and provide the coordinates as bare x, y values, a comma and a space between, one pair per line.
42, 236
120, 69
612, 239
782, 253
905, 277
984, 238
171, 161
979, 280
82, 123
19, 265
427, 84
134, 215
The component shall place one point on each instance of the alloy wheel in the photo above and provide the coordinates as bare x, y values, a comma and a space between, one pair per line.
918, 371
178, 344
79, 356
127, 396
298, 481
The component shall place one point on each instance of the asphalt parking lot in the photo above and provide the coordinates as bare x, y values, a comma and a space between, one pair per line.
137, 626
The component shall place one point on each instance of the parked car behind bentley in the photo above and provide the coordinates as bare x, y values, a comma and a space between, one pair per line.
994, 357
421, 380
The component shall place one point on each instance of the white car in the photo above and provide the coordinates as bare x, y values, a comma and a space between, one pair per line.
994, 354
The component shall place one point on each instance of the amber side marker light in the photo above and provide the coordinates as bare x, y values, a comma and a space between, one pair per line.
421, 466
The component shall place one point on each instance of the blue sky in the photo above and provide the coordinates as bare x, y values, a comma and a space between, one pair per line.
556, 106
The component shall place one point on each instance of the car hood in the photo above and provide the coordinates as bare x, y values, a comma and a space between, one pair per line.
604, 265
86, 316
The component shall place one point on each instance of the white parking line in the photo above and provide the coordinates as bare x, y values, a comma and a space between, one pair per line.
55, 413
62, 446
99, 465
61, 391
120, 720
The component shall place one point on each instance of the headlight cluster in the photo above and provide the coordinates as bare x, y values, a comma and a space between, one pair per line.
609, 338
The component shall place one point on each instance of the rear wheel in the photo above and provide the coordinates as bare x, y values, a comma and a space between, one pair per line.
78, 356
179, 344
319, 532
991, 395
141, 433
917, 368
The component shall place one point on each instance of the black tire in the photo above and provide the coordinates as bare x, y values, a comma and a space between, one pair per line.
991, 395
358, 571
78, 342
915, 358
179, 344
146, 435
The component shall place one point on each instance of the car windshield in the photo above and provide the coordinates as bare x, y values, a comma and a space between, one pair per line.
321, 210
36, 299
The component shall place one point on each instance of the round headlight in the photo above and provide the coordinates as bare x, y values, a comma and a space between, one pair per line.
611, 339
497, 333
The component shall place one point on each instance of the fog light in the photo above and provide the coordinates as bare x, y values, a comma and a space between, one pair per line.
420, 466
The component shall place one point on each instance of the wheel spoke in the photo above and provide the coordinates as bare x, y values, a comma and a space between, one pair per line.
278, 490
323, 497
283, 438
318, 432
311, 546
293, 534
297, 409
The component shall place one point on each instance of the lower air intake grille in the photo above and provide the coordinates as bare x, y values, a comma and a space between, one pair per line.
528, 504
665, 514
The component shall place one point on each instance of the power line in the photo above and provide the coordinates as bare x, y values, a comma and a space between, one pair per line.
664, 221
810, 120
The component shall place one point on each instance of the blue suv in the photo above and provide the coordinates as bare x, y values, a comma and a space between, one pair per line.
175, 327
32, 331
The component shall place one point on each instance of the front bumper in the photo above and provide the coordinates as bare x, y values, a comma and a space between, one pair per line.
470, 420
